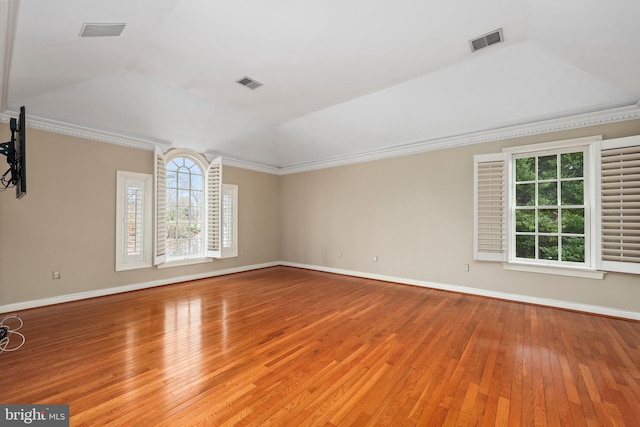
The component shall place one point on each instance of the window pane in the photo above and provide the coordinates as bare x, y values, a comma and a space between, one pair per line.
525, 246
525, 194
548, 248
572, 165
525, 169
548, 194
195, 245
172, 196
547, 221
525, 220
573, 249
183, 213
184, 179
573, 221
196, 182
572, 192
547, 167
183, 197
172, 180
171, 230
183, 230
196, 198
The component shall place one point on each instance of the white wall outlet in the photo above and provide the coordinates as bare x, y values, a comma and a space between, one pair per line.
466, 267
55, 275
375, 258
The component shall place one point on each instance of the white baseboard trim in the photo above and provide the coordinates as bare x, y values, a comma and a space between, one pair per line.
568, 305
127, 288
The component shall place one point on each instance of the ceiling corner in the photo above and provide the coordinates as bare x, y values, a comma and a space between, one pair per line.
8, 26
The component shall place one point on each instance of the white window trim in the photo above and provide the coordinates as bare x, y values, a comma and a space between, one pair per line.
590, 269
143, 181
172, 154
184, 261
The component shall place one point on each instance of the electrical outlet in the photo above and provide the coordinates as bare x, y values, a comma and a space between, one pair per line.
55, 275
466, 267
375, 258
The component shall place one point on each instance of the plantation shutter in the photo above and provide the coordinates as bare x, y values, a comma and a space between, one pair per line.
490, 207
160, 177
214, 208
620, 204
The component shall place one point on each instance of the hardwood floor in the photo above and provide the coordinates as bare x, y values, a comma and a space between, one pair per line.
291, 347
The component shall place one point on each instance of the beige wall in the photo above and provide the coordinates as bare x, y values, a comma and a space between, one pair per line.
66, 222
416, 214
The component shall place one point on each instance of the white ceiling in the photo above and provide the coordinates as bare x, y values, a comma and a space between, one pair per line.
340, 77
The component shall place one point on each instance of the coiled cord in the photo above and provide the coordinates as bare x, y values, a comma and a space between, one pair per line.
8, 333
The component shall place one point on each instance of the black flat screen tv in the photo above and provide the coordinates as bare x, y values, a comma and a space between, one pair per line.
15, 152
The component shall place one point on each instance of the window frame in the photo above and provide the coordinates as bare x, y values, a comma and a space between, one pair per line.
589, 205
591, 265
183, 154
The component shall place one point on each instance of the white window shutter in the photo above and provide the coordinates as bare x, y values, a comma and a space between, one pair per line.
160, 178
229, 220
620, 204
133, 220
214, 208
490, 207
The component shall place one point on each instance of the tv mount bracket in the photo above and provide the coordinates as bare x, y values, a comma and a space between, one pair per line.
4, 146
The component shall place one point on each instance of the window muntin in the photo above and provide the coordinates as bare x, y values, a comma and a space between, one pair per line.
185, 205
550, 208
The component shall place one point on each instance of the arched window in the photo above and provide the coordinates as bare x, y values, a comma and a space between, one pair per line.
185, 208
189, 203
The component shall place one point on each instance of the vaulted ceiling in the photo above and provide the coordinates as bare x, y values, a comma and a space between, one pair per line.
340, 78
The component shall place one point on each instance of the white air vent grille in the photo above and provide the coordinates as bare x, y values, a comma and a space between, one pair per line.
249, 82
486, 40
101, 30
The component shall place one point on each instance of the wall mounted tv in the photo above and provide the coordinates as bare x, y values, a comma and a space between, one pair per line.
15, 152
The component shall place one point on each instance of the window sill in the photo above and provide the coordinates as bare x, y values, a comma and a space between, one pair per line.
181, 262
558, 271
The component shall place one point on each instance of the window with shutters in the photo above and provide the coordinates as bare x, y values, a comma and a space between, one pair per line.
133, 220
572, 205
189, 208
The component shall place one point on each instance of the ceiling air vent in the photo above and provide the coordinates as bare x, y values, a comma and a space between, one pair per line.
486, 40
101, 30
249, 82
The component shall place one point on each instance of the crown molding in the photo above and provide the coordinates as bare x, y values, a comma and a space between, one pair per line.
613, 115
55, 126
227, 161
